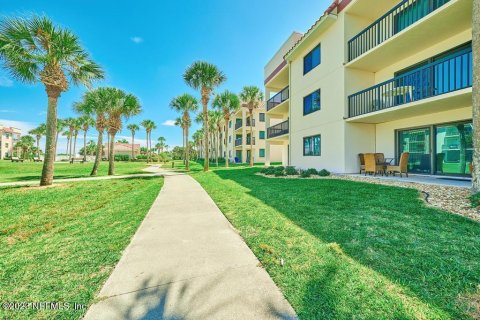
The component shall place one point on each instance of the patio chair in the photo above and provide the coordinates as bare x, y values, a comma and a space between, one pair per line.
371, 165
362, 162
379, 158
402, 165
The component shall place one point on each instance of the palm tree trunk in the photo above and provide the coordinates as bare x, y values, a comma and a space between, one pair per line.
205, 128
74, 146
187, 150
71, 142
251, 139
56, 144
99, 153
226, 143
47, 170
217, 148
38, 147
133, 143
107, 155
476, 95
111, 156
184, 146
84, 145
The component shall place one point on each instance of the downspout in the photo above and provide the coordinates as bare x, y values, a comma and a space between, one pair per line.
289, 113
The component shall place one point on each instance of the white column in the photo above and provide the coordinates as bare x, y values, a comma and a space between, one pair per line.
285, 153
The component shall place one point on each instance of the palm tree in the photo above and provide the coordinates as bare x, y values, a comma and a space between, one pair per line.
67, 134
36, 51
25, 144
476, 95
252, 98
197, 139
76, 127
204, 77
149, 125
122, 106
70, 123
162, 142
133, 128
185, 104
179, 123
94, 103
38, 132
60, 127
215, 118
228, 103
86, 121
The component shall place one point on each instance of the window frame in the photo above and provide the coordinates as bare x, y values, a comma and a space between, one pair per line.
260, 136
310, 54
261, 117
319, 145
260, 153
320, 102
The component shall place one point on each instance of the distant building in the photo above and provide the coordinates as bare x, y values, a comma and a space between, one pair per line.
8, 137
124, 149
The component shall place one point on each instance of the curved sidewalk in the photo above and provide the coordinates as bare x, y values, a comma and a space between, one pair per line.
187, 262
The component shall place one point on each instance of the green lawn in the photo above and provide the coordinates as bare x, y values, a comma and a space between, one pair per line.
13, 171
353, 250
61, 243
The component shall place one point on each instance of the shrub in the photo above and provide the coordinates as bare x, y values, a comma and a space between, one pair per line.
475, 200
291, 171
324, 173
280, 168
122, 157
279, 173
305, 174
312, 171
270, 171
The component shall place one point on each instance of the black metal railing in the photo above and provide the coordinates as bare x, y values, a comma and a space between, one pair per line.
238, 125
278, 129
406, 13
278, 98
248, 141
248, 122
238, 142
443, 76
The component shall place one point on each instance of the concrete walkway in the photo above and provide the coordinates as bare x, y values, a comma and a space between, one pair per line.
187, 262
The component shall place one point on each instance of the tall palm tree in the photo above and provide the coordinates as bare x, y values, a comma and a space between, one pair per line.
476, 95
162, 142
204, 77
60, 127
252, 98
70, 123
86, 121
215, 118
149, 125
228, 103
123, 105
197, 139
36, 51
94, 103
67, 134
133, 128
38, 132
185, 104
76, 128
179, 123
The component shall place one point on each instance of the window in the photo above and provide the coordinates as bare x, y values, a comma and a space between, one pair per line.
311, 60
261, 135
229, 139
261, 153
311, 103
230, 124
311, 146
261, 117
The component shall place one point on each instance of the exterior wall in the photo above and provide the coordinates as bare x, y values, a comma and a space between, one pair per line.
328, 121
277, 59
8, 138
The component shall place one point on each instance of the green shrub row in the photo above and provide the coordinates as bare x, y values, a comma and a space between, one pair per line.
281, 171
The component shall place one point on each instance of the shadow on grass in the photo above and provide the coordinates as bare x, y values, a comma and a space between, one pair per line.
432, 254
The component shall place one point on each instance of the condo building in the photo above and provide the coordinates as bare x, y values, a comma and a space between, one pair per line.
373, 76
8, 137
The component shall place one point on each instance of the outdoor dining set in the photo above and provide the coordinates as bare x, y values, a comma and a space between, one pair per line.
376, 163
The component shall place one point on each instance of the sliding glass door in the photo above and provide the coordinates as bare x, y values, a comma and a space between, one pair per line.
417, 143
454, 148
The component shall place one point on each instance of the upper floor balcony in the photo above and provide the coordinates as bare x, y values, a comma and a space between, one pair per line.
278, 130
239, 124
442, 84
238, 142
408, 28
278, 99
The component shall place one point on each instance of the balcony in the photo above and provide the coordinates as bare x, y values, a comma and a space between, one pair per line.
238, 142
249, 140
277, 130
278, 99
238, 125
247, 124
445, 76
410, 27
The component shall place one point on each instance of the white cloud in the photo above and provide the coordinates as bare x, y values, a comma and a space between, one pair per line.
6, 111
136, 39
5, 82
169, 123
24, 126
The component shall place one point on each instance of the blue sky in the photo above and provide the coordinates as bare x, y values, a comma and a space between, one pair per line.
144, 47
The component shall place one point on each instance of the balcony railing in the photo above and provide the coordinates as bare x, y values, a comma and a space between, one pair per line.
248, 123
238, 125
278, 129
406, 13
278, 98
248, 141
436, 78
238, 142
